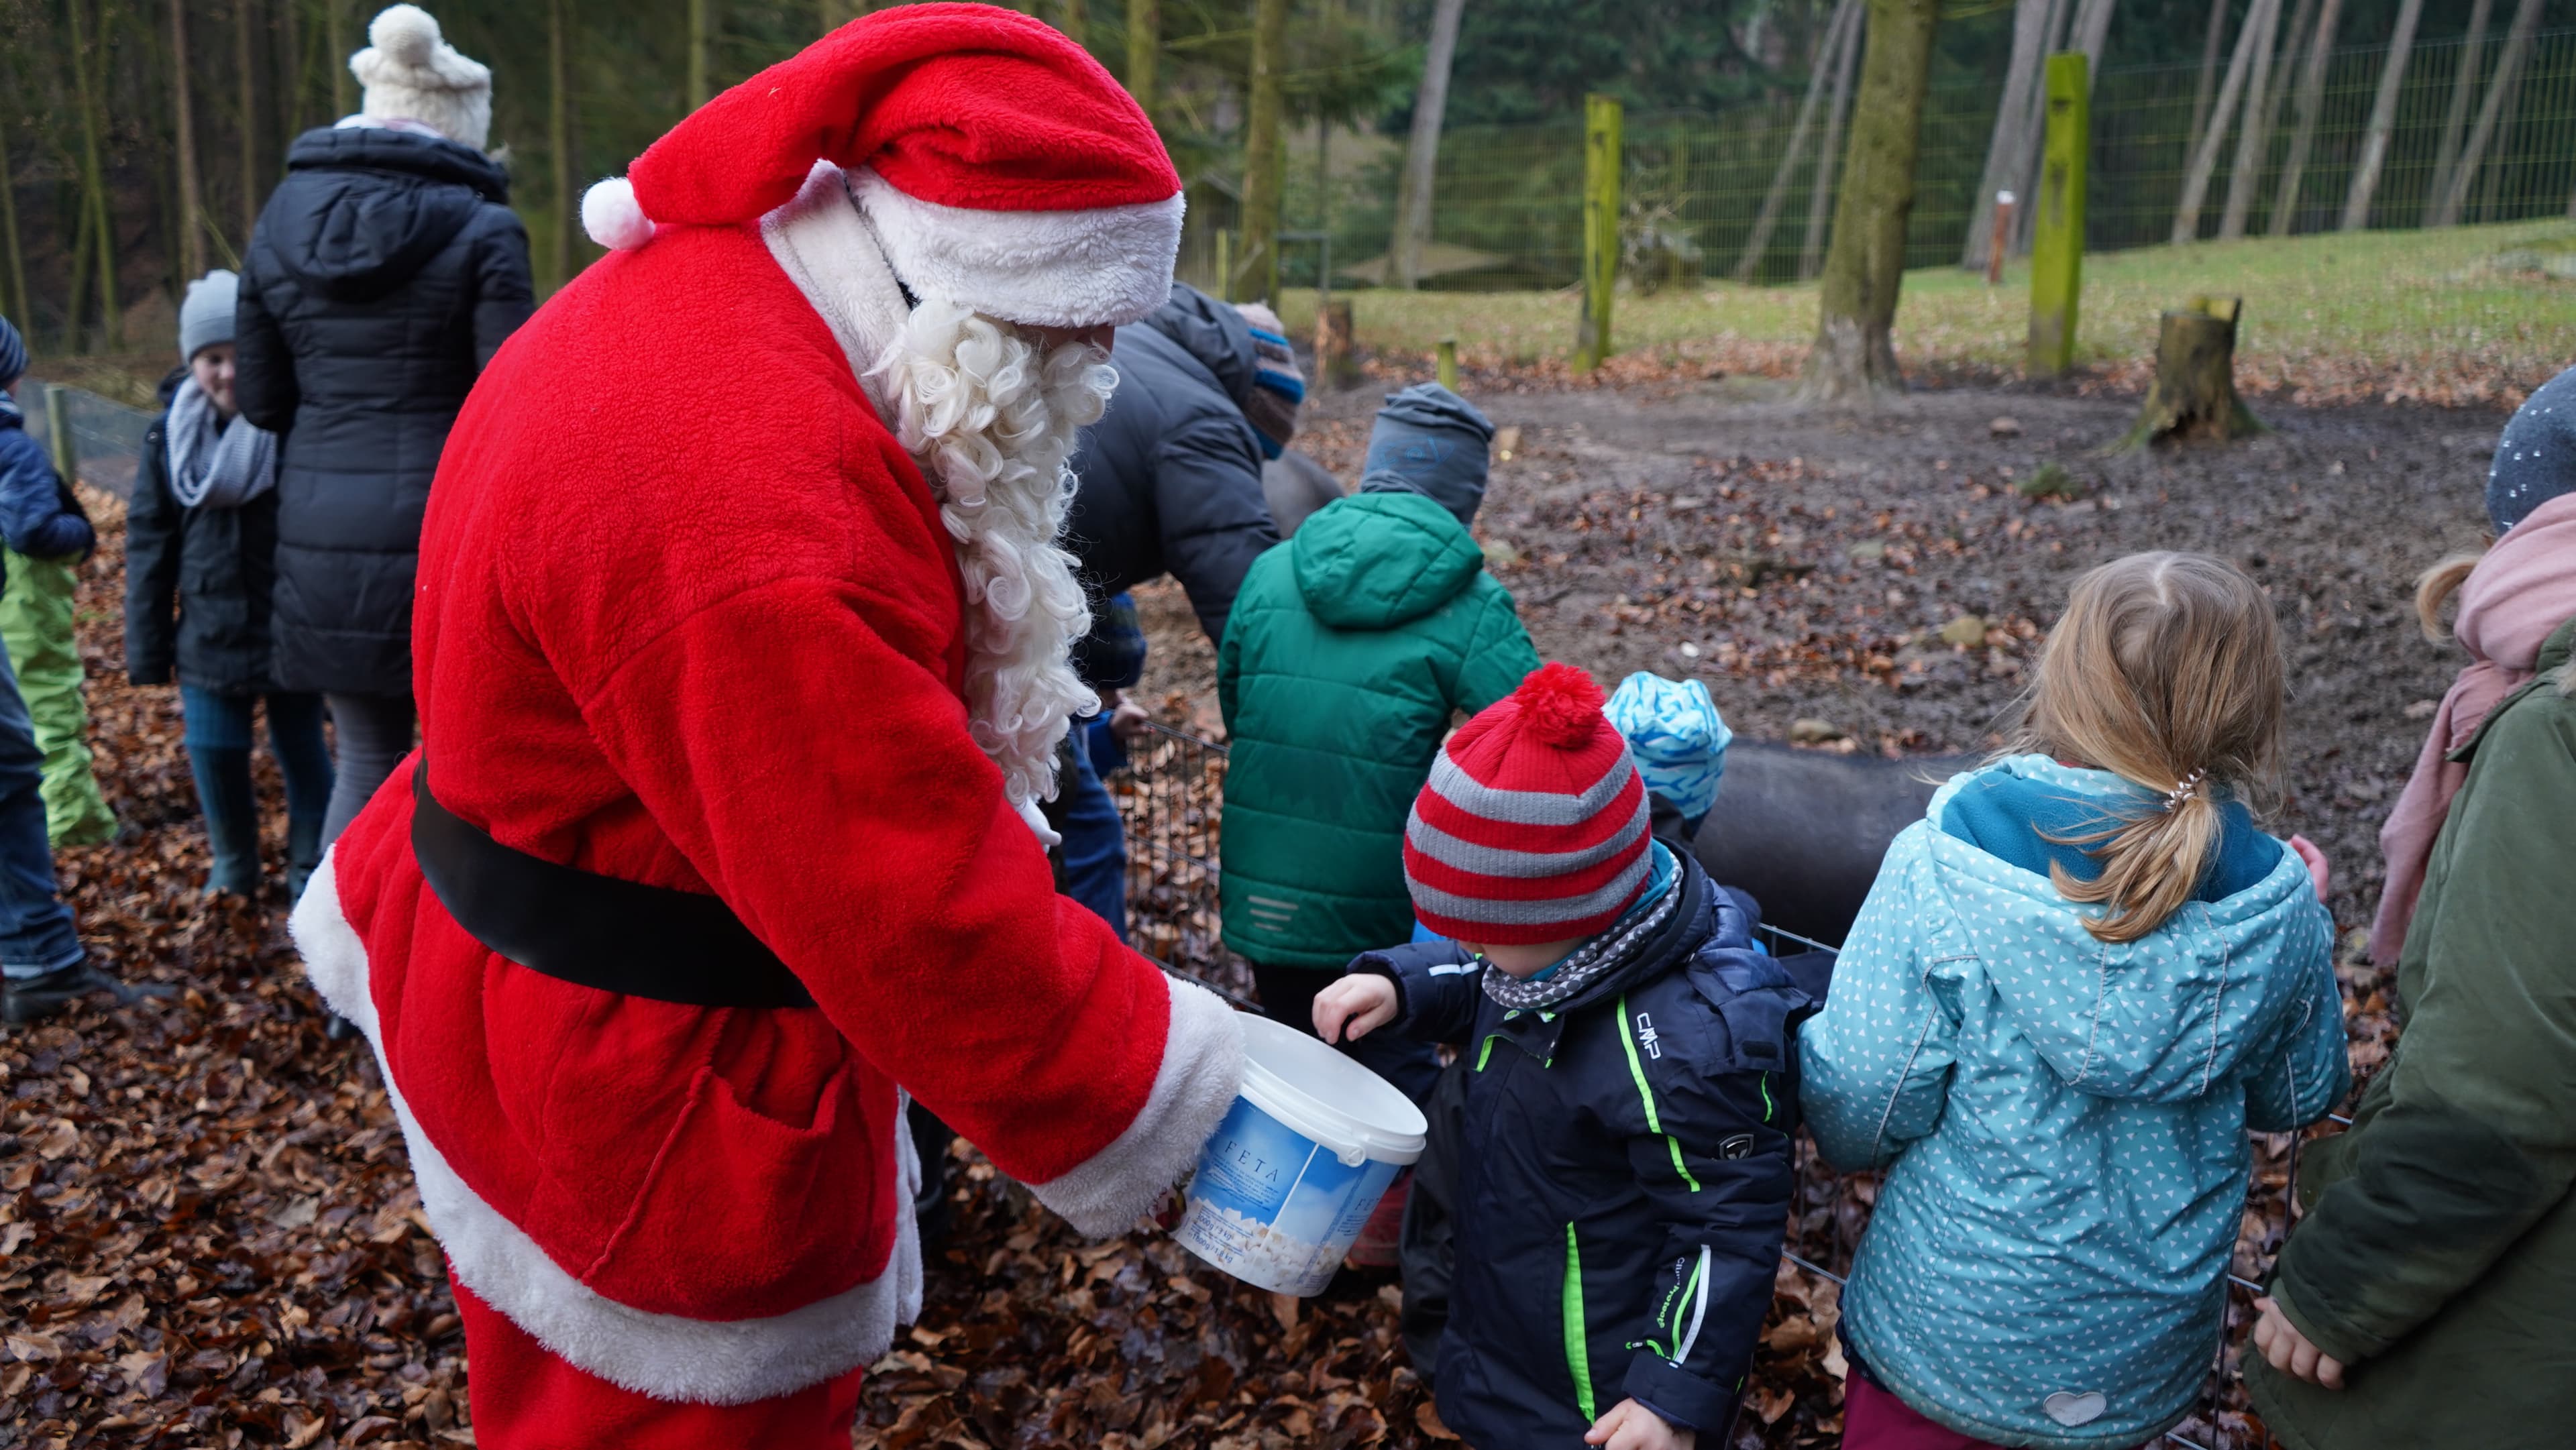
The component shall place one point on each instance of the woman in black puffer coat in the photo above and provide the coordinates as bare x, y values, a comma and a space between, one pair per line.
384, 273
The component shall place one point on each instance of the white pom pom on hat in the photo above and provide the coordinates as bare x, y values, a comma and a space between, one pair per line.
407, 34
612, 216
412, 74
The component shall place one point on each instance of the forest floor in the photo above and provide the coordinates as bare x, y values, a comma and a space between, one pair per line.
208, 1236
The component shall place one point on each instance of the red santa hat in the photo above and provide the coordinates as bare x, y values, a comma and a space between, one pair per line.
1000, 166
1533, 825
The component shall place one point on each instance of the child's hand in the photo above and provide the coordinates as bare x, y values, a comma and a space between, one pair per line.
2318, 870
1363, 1003
2291, 1352
1631, 1426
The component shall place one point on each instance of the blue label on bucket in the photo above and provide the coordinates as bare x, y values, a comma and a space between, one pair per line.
1273, 1206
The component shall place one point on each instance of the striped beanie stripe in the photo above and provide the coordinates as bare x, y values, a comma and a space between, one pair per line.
1533, 825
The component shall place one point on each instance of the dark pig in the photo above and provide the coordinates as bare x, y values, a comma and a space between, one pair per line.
1802, 831
1295, 485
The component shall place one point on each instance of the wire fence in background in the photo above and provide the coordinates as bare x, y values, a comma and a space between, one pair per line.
107, 435
1170, 796
1508, 199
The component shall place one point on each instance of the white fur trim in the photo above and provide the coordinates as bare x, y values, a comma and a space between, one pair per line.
824, 246
410, 73
1193, 1090
1107, 265
665, 1356
612, 216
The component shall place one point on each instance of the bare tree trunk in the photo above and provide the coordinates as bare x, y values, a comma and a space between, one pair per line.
335, 41
1854, 358
17, 256
559, 160
2032, 134
2208, 69
1422, 149
1811, 254
2312, 94
2464, 87
1075, 21
290, 71
1144, 49
192, 225
1846, 14
702, 39
2092, 33
2204, 157
2003, 144
2383, 118
2254, 137
2508, 75
81, 253
1265, 156
248, 106
2491, 183
90, 74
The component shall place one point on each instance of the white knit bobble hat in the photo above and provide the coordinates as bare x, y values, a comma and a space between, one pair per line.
410, 74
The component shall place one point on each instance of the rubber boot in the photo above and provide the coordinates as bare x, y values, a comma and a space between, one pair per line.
231, 806
303, 853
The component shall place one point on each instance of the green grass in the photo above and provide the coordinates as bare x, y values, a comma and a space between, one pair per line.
2410, 314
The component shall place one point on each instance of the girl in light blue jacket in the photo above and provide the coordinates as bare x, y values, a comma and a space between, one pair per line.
2075, 987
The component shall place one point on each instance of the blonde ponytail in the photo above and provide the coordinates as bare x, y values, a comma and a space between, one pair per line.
2166, 671
2437, 585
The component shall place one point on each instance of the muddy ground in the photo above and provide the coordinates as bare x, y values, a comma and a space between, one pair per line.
1806, 566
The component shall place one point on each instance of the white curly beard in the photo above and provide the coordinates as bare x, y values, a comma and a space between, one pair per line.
992, 418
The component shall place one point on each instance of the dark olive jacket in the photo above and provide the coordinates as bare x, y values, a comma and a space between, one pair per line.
2438, 1254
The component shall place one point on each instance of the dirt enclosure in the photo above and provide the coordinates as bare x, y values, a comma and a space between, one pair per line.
1885, 579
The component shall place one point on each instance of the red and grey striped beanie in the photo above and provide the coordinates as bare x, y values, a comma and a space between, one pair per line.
1532, 827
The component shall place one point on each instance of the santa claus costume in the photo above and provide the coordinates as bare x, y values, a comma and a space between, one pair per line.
740, 652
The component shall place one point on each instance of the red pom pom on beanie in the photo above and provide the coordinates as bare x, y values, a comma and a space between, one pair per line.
1533, 826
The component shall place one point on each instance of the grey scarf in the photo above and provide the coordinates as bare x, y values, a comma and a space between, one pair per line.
213, 465
1603, 953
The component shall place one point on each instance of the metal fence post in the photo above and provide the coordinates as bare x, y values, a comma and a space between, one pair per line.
2057, 242
58, 423
1601, 157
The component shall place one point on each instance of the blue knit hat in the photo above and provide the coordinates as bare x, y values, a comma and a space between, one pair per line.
1430, 441
13, 354
1676, 737
2535, 460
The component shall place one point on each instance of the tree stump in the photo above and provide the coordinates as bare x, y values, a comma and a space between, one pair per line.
2194, 397
1336, 363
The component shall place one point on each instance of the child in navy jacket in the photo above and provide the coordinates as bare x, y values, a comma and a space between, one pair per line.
1626, 1160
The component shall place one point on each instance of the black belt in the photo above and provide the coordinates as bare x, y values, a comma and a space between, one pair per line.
592, 930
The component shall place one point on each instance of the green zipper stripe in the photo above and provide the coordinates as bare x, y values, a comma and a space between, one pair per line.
1768, 1111
1678, 1304
1578, 1359
1646, 1095
1484, 1052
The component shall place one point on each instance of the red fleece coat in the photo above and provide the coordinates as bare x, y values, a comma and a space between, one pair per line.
687, 616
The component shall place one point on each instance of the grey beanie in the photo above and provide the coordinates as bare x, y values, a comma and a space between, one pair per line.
1430, 441
206, 316
2535, 460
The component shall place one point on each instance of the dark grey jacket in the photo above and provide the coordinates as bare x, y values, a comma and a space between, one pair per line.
1171, 474
197, 581
384, 273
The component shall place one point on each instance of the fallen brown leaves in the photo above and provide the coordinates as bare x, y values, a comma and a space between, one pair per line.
208, 1233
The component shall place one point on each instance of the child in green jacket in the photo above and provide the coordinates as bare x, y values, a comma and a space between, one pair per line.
1351, 649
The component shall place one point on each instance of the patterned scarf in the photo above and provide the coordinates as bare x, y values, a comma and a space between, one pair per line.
1595, 959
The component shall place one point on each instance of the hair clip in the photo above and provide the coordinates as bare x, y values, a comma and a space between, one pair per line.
2183, 792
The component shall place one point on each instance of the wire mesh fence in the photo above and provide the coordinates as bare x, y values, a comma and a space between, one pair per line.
1508, 199
1170, 796
107, 436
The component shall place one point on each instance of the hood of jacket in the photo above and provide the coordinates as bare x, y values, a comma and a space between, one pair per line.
2168, 1018
1377, 560
1212, 332
362, 208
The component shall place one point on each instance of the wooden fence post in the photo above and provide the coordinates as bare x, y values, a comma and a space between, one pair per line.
1601, 155
58, 427
2057, 243
1446, 364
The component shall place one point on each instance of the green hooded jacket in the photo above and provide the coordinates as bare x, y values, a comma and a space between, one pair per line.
2438, 1255
1351, 648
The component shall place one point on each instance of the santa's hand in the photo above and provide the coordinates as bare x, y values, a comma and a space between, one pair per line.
1361, 1004
1038, 827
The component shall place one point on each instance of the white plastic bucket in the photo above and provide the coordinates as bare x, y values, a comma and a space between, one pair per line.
1299, 1163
